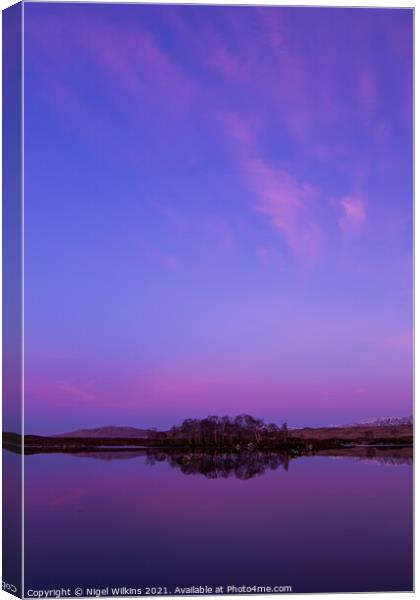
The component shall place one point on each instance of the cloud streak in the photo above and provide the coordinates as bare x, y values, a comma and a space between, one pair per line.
353, 215
286, 202
282, 198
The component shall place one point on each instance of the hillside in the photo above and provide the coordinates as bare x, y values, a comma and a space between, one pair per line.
108, 431
356, 433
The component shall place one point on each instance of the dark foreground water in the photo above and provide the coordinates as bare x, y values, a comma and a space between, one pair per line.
318, 524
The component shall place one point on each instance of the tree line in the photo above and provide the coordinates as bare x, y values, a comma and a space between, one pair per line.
223, 432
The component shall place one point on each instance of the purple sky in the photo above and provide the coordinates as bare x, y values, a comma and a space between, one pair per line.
218, 214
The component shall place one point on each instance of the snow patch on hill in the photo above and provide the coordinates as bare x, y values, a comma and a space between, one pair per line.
384, 422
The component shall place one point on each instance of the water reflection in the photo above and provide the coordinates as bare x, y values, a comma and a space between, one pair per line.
244, 464
134, 517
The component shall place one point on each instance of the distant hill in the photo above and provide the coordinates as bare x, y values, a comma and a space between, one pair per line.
243, 433
108, 431
384, 422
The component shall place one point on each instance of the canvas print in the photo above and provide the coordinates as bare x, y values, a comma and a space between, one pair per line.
208, 296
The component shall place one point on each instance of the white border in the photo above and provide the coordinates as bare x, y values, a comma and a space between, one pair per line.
320, 3
23, 293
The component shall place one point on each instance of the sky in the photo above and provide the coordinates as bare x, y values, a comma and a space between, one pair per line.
218, 214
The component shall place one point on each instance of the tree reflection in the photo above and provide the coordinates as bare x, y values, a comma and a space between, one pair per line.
214, 465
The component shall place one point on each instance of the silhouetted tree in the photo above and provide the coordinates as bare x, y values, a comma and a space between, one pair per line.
285, 432
221, 432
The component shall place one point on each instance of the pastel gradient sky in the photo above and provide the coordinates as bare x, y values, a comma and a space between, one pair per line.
218, 214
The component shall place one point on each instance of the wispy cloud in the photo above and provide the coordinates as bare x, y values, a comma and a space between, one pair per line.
286, 202
128, 64
219, 233
166, 259
366, 90
176, 221
353, 215
216, 55
284, 199
135, 62
75, 391
401, 341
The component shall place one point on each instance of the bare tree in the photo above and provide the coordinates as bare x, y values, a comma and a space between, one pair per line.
285, 432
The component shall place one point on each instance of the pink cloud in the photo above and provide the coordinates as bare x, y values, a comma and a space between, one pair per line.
381, 132
180, 385
241, 132
354, 214
402, 341
73, 112
75, 391
284, 200
220, 233
135, 63
366, 89
281, 197
217, 56
265, 62
211, 229
289, 75
176, 221
66, 392
164, 258
268, 255
132, 69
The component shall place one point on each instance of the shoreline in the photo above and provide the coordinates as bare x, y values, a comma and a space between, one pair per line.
301, 442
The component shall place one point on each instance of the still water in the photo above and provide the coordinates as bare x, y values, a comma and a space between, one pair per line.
318, 524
